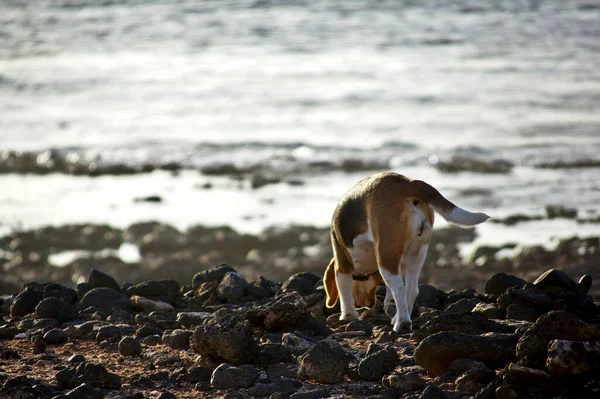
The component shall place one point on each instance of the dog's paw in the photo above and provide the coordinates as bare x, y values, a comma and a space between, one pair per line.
349, 316
403, 326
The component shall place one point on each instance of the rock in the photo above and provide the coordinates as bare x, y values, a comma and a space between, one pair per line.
231, 288
296, 343
130, 346
521, 311
22, 387
177, 339
433, 391
285, 386
560, 211
312, 394
108, 332
500, 282
213, 274
148, 305
489, 310
468, 323
436, 352
556, 278
429, 297
533, 296
287, 311
472, 381
85, 391
105, 300
190, 319
287, 370
376, 365
54, 290
405, 382
76, 358
55, 308
8, 332
56, 336
98, 279
39, 344
229, 338
228, 376
532, 347
304, 283
326, 362
94, 374
163, 290
572, 357
461, 306
166, 395
26, 301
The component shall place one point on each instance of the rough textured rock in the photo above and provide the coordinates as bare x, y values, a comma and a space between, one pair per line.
56, 336
436, 352
229, 338
532, 347
54, 290
130, 346
405, 382
377, 364
468, 323
105, 300
430, 297
98, 279
177, 339
287, 311
212, 274
304, 283
164, 290
573, 357
55, 308
229, 376
26, 301
326, 362
94, 374
232, 287
500, 282
148, 305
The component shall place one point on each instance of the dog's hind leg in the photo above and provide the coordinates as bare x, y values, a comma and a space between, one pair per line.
412, 270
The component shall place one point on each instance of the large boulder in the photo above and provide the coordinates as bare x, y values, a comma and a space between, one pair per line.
326, 362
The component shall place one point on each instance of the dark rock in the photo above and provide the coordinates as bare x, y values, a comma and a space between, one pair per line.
98, 279
177, 339
197, 374
556, 278
167, 395
297, 343
26, 301
8, 332
287, 370
326, 363
520, 311
436, 352
108, 332
232, 287
429, 297
190, 319
76, 358
213, 274
148, 329
85, 391
560, 211
39, 344
405, 382
285, 386
490, 311
433, 391
312, 394
377, 364
500, 282
468, 323
229, 338
533, 296
472, 381
228, 376
304, 283
130, 346
287, 311
56, 336
22, 387
55, 308
105, 300
532, 347
273, 353
163, 290
573, 357
461, 306
151, 340
54, 290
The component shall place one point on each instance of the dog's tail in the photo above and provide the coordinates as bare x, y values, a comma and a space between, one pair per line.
452, 213
330, 285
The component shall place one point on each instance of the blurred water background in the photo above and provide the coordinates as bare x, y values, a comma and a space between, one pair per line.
309, 96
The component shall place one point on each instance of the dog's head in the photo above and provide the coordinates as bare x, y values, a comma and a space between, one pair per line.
363, 290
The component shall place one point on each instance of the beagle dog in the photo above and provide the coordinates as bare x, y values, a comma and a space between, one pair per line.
381, 229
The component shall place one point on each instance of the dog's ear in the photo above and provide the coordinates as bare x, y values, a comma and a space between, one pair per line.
330, 285
373, 293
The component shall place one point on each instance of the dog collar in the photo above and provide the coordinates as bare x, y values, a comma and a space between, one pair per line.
362, 276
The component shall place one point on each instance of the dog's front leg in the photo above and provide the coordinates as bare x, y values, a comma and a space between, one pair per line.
401, 320
344, 284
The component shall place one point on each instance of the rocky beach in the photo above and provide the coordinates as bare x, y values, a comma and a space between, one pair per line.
211, 313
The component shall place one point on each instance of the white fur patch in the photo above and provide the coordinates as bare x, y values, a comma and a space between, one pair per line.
462, 217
